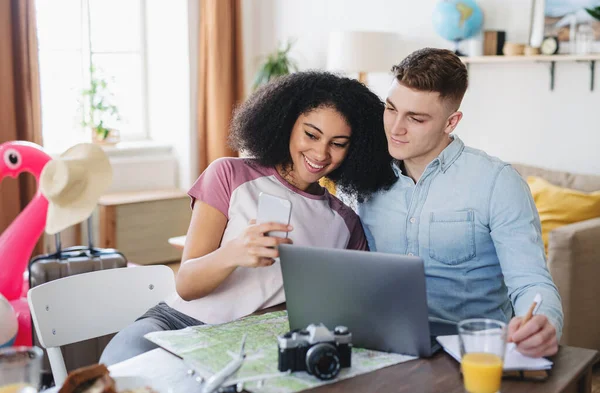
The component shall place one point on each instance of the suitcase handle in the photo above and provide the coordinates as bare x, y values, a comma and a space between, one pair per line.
76, 251
58, 243
89, 233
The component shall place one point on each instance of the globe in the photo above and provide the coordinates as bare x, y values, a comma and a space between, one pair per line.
457, 20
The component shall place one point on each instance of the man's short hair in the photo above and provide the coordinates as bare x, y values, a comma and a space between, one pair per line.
435, 70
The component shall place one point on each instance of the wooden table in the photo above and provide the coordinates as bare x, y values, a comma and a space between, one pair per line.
178, 242
572, 373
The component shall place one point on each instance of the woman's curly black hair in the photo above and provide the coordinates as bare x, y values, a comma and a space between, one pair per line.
262, 125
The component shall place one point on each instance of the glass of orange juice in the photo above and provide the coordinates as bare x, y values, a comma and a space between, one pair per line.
482, 346
20, 369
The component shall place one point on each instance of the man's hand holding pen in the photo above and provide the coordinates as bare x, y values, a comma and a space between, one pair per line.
534, 335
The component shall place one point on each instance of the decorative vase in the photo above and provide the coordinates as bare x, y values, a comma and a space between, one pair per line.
112, 138
513, 49
584, 39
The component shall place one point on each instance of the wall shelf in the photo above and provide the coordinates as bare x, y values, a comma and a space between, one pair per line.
552, 60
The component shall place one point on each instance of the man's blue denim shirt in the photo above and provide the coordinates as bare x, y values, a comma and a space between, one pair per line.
472, 219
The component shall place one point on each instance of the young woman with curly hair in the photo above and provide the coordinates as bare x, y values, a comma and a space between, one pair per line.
294, 131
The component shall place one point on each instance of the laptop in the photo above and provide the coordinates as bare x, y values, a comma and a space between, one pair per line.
379, 297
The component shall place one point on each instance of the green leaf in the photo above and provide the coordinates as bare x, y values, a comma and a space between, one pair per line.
276, 64
257, 80
99, 100
276, 70
270, 67
594, 12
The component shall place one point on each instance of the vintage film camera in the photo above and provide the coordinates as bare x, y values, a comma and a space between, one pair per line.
316, 350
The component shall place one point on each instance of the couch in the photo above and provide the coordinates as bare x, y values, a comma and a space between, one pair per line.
574, 262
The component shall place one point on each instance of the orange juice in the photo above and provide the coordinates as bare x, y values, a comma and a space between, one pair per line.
17, 388
482, 372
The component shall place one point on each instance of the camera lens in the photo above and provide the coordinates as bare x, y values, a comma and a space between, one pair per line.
323, 361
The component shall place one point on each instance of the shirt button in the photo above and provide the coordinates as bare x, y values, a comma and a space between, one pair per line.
410, 254
413, 220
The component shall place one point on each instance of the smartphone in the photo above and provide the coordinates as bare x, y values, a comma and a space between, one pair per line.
273, 209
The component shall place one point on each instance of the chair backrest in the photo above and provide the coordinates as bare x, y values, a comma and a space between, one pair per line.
91, 305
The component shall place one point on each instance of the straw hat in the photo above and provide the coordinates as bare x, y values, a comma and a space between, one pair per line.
73, 183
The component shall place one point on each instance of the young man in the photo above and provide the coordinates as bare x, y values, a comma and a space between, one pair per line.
470, 216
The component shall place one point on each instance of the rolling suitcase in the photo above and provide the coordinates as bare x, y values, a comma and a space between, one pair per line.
65, 263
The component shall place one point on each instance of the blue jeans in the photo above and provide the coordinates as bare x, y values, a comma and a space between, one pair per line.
130, 341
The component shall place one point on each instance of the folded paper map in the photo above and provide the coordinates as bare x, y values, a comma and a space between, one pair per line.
208, 348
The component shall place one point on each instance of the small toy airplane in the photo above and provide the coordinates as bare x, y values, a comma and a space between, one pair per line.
222, 382
215, 383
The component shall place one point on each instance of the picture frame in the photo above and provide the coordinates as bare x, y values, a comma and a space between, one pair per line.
564, 18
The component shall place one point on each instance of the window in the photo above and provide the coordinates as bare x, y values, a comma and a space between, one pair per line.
75, 34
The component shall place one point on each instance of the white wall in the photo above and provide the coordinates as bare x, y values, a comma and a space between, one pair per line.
509, 109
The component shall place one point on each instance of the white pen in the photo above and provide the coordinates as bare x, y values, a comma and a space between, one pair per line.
533, 309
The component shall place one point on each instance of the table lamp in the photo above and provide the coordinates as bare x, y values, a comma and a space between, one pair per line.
363, 51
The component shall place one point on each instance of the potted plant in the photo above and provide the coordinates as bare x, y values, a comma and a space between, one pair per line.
99, 109
277, 64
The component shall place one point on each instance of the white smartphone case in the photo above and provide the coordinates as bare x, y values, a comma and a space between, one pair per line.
273, 209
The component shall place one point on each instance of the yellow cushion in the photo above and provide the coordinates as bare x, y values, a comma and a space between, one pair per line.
558, 206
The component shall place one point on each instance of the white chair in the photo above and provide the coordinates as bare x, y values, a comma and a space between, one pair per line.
90, 305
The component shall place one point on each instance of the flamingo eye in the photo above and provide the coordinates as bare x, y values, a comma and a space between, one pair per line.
12, 158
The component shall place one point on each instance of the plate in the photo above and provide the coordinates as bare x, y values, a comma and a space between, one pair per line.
130, 382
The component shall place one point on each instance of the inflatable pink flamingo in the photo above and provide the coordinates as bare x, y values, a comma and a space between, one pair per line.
19, 239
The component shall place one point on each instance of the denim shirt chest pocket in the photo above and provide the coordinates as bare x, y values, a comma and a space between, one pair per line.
452, 236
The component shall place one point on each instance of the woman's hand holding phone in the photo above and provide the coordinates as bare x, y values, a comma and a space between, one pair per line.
253, 248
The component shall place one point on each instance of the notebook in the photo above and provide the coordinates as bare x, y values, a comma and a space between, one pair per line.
513, 359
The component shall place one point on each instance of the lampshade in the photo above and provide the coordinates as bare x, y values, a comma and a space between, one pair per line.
363, 51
